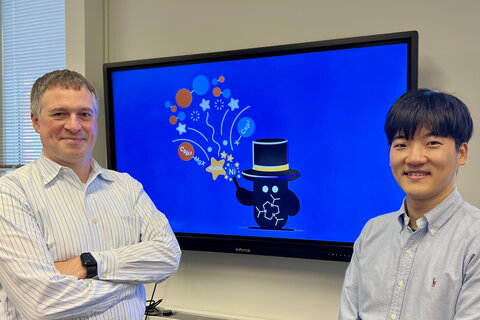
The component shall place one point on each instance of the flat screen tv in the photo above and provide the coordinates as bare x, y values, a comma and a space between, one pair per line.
272, 151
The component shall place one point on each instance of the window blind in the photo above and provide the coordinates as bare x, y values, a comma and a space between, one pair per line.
33, 43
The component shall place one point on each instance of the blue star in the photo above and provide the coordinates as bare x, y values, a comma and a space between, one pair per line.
181, 128
205, 104
233, 104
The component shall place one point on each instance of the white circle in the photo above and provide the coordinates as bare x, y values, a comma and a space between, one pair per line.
265, 189
275, 189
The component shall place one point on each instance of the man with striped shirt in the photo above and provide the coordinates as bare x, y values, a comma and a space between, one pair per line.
77, 241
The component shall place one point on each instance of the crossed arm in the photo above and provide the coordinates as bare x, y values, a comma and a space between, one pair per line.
72, 267
40, 287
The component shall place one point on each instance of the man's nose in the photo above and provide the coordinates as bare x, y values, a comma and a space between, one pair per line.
416, 155
73, 124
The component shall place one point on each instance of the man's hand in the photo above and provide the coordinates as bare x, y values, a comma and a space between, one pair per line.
72, 267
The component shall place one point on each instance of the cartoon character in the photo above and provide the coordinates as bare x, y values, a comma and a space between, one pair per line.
271, 199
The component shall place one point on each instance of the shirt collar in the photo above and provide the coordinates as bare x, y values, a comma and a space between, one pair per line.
436, 217
402, 216
49, 170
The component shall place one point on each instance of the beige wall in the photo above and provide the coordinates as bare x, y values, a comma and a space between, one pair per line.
86, 52
266, 287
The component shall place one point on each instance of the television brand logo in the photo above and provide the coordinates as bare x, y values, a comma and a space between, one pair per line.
243, 250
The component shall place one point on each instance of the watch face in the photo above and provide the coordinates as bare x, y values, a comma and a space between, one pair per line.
90, 263
87, 259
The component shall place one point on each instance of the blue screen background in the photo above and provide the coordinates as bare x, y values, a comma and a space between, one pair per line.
329, 105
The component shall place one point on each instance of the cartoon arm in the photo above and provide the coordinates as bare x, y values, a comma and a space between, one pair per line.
293, 204
244, 196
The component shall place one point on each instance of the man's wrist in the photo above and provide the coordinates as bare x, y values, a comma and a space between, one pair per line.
89, 262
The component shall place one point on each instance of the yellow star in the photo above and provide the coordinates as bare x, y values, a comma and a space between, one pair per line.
230, 158
223, 154
237, 164
216, 168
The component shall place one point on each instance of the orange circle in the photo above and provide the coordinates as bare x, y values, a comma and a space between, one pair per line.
221, 79
173, 108
172, 120
183, 98
186, 151
216, 92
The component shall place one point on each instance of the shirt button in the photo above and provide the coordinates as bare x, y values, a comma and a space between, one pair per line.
409, 251
393, 316
432, 230
94, 220
401, 283
104, 275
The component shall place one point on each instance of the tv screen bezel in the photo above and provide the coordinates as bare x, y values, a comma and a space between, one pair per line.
310, 249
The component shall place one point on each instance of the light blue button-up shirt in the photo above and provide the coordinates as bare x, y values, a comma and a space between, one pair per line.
432, 273
47, 215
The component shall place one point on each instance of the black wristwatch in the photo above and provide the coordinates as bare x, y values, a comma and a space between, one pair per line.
90, 263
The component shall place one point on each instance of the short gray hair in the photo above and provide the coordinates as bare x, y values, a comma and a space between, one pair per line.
65, 79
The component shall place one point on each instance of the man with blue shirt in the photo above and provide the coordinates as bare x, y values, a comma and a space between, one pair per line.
77, 241
423, 261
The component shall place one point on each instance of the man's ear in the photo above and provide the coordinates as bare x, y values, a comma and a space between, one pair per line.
462, 154
35, 123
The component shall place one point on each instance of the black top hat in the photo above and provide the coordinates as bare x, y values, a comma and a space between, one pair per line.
270, 161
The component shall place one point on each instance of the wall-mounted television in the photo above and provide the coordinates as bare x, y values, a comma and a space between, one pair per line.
273, 151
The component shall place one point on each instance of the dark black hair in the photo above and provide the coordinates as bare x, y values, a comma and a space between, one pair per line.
443, 114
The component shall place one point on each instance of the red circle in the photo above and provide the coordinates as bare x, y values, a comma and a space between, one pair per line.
186, 151
216, 92
183, 98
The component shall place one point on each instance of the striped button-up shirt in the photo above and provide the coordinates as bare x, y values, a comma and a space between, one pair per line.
432, 273
47, 215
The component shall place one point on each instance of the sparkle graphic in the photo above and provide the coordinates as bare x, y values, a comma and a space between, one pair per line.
195, 115
218, 104
211, 127
181, 128
233, 104
232, 171
205, 104
216, 168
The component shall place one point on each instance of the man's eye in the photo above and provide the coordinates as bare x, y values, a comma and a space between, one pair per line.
399, 145
86, 115
434, 143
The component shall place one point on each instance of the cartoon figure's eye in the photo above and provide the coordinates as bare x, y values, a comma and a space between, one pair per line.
265, 189
275, 189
